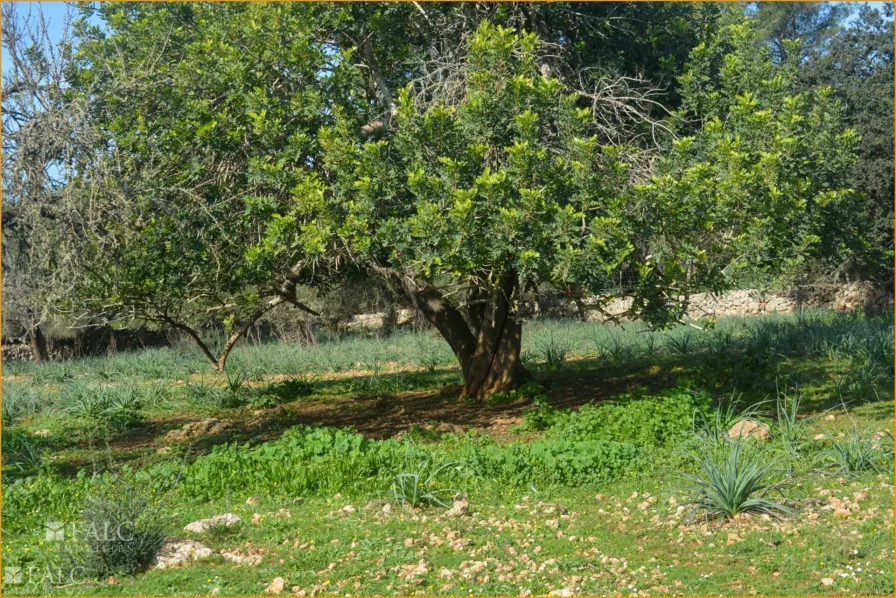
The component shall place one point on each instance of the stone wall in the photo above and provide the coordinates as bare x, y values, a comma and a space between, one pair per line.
840, 297
746, 302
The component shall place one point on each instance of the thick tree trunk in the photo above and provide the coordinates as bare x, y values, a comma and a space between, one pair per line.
495, 365
487, 343
36, 339
38, 345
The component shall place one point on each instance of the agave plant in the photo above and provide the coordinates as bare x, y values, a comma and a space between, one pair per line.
855, 454
732, 482
417, 484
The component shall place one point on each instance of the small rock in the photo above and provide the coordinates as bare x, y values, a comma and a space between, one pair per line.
253, 500
250, 559
348, 509
734, 539
276, 586
827, 581
177, 551
164, 450
552, 523
841, 513
216, 591
42, 433
750, 428
819, 437
203, 525
256, 519
565, 593
459, 509
830, 418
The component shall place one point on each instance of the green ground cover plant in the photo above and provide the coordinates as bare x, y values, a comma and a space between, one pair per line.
640, 458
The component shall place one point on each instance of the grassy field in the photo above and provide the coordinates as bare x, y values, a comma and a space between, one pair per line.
342, 460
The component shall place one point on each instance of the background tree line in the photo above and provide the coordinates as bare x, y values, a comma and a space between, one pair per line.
192, 164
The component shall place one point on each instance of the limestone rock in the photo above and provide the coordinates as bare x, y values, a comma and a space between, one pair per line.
460, 508
203, 525
750, 428
178, 551
275, 586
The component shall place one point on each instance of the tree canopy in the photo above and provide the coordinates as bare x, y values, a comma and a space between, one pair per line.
460, 153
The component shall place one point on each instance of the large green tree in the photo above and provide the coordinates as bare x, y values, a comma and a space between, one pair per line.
500, 177
460, 153
857, 63
209, 114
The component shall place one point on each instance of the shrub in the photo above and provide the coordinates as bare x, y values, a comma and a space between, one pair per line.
121, 531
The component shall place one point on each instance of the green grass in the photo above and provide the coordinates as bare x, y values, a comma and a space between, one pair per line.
604, 436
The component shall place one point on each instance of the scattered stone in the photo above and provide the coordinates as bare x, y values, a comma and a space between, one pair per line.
841, 513
206, 427
249, 559
734, 539
276, 586
178, 551
256, 518
203, 525
750, 428
411, 571
831, 418
216, 591
827, 581
42, 433
564, 593
819, 437
348, 509
552, 523
460, 508
164, 450
253, 500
